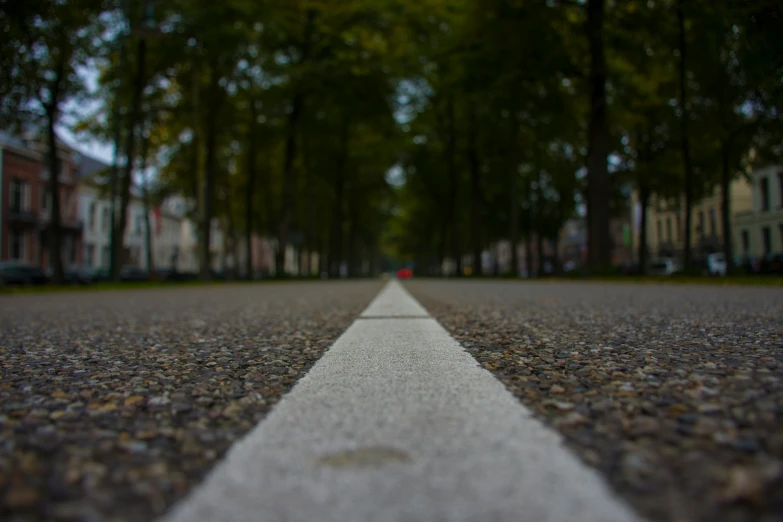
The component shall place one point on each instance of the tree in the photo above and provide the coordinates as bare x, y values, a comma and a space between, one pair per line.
53, 44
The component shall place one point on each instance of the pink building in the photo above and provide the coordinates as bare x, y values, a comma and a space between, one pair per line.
25, 203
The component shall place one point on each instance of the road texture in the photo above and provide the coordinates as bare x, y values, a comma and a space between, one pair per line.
397, 423
673, 393
113, 405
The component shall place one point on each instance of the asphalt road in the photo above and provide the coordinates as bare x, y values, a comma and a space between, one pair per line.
674, 393
397, 423
114, 405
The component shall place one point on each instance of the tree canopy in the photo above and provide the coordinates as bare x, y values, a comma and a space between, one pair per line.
419, 131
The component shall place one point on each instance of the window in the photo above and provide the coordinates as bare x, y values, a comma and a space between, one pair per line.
766, 240
45, 196
135, 255
105, 259
660, 232
713, 223
677, 228
780, 189
668, 229
764, 187
139, 224
18, 195
745, 241
89, 251
17, 245
91, 210
69, 250
105, 223
700, 226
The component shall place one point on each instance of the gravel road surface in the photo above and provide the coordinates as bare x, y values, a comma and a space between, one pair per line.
674, 393
113, 405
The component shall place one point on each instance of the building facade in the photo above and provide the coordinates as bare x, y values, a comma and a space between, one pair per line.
572, 246
666, 222
95, 212
26, 202
25, 214
181, 243
263, 257
758, 231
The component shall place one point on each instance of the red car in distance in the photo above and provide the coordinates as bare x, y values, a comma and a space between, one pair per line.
404, 273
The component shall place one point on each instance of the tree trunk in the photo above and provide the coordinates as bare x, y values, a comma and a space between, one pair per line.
250, 190
208, 187
351, 247
312, 240
130, 150
529, 212
195, 174
289, 181
55, 226
442, 242
514, 189
529, 253
231, 242
268, 193
598, 213
374, 262
557, 266
475, 193
540, 253
289, 161
336, 250
725, 205
145, 194
115, 168
686, 150
453, 194
644, 202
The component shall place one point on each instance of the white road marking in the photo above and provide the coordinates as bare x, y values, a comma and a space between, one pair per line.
394, 301
396, 422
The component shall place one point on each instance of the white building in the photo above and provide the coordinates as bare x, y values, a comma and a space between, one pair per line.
94, 214
759, 231
174, 238
182, 236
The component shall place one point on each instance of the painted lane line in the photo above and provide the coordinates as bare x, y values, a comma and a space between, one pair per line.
396, 422
394, 300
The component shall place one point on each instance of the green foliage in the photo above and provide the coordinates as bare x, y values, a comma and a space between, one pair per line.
284, 118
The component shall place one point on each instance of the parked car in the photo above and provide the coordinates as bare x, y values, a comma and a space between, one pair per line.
71, 276
94, 275
132, 273
170, 275
629, 269
748, 264
22, 274
664, 266
715, 264
404, 273
772, 264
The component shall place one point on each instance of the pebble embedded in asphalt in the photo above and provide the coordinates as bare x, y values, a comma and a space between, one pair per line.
113, 405
674, 393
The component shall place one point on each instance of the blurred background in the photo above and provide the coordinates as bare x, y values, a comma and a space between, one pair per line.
309, 138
